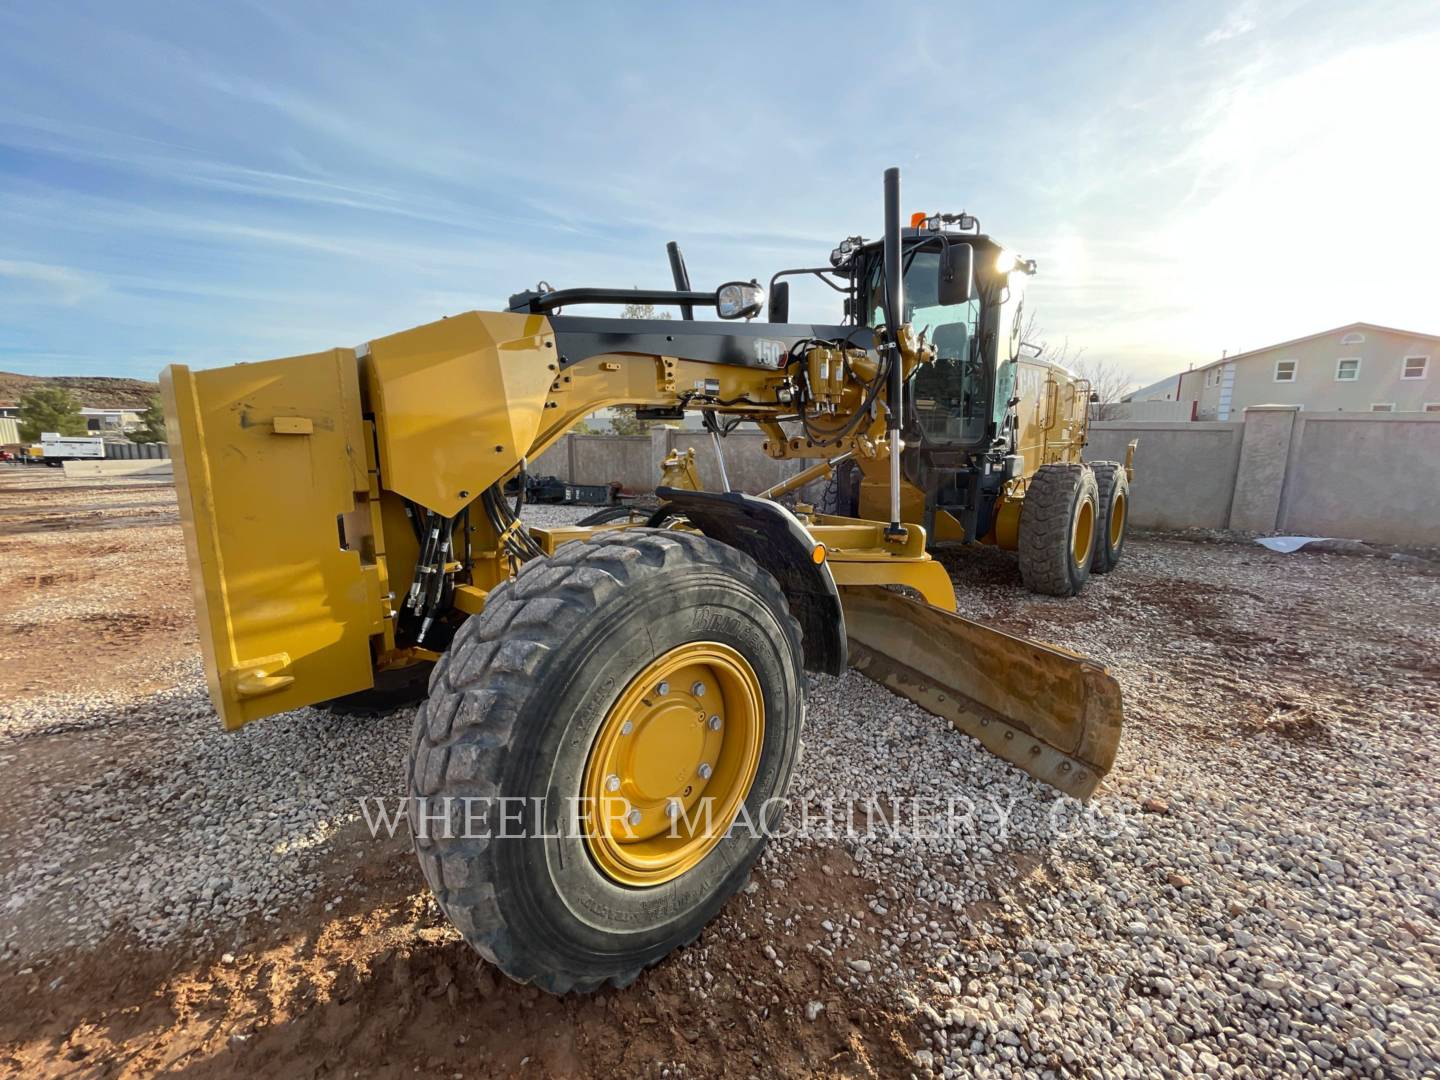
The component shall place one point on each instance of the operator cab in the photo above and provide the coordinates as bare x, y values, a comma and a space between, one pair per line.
953, 402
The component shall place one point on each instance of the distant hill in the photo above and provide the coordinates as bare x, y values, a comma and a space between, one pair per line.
91, 392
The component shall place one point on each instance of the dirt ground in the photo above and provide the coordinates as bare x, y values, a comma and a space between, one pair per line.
95, 605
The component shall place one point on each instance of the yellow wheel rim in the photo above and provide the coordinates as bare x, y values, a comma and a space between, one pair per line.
672, 763
1084, 534
1117, 519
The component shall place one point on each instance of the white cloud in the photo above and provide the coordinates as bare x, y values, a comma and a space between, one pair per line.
1236, 24
48, 282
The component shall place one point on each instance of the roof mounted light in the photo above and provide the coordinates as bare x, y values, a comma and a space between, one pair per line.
937, 222
1007, 262
846, 250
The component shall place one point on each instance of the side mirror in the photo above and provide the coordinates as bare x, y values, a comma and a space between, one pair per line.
957, 273
780, 302
739, 300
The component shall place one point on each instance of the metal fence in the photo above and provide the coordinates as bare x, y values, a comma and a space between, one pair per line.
128, 451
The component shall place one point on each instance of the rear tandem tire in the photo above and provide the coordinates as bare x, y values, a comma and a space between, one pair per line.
1113, 514
523, 701
1058, 524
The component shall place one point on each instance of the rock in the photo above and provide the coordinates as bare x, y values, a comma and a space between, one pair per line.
861, 966
1154, 805
813, 1009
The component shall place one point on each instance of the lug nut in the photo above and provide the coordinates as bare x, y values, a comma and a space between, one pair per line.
714, 723
698, 689
633, 817
705, 771
626, 728
612, 783
672, 809
663, 689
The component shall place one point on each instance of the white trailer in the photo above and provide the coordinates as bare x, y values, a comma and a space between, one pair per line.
56, 449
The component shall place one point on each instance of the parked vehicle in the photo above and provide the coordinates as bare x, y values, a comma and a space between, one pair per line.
57, 449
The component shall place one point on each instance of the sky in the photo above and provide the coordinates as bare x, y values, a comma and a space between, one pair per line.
209, 183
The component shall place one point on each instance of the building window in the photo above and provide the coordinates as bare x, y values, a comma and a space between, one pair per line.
1353, 339
1383, 406
1285, 370
1432, 406
1347, 369
1415, 367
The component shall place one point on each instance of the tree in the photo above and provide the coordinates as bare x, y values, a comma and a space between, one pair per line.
1108, 384
1033, 334
642, 311
625, 422
153, 419
49, 408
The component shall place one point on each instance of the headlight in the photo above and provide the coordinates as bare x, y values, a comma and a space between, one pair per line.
739, 300
1007, 262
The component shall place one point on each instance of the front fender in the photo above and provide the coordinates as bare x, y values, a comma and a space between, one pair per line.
775, 539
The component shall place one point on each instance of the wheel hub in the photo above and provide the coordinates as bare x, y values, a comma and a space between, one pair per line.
672, 763
1084, 535
1117, 519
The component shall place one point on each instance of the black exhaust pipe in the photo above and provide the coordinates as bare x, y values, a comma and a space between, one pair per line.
894, 316
681, 276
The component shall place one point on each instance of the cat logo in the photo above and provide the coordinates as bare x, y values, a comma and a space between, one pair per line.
769, 353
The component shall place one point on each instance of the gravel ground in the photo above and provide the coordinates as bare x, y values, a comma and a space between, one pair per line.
251, 806
1253, 892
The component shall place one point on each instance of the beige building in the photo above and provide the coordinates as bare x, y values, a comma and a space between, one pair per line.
1357, 368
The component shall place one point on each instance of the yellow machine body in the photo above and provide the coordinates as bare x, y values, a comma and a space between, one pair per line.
299, 480
1052, 423
267, 458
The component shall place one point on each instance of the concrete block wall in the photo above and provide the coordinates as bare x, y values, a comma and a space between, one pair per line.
1360, 476
1370, 476
635, 460
750, 469
1184, 472
1363, 476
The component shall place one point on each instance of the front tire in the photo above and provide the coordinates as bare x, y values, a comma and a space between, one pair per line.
523, 719
1057, 529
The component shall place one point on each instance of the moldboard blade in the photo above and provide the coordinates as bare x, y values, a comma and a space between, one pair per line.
1049, 711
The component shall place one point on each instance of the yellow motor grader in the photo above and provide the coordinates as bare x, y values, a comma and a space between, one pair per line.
614, 712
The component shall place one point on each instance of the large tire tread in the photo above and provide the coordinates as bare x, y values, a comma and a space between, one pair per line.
1109, 478
1046, 517
477, 692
